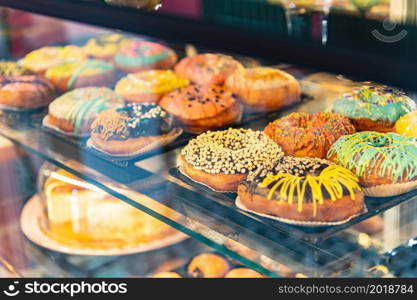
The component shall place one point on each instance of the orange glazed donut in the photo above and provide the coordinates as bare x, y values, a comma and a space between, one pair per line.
308, 135
207, 69
264, 89
198, 108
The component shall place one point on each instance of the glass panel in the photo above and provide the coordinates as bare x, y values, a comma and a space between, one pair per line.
107, 114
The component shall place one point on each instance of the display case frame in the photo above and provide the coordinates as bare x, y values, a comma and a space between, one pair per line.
209, 35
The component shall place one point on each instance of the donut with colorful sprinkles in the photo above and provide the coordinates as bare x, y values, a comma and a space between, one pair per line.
128, 129
308, 135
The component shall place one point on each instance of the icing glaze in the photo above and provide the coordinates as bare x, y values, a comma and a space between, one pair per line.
104, 45
377, 103
132, 121
290, 188
393, 155
74, 70
155, 81
46, 57
407, 125
12, 68
81, 105
301, 130
141, 53
298, 180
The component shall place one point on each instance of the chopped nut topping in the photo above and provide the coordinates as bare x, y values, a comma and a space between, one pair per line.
231, 151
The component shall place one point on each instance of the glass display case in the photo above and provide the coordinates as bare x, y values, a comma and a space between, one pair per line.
157, 138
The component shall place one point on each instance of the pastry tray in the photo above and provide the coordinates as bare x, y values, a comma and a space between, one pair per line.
375, 206
123, 169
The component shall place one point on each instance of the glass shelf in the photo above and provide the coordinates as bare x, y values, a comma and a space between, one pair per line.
208, 217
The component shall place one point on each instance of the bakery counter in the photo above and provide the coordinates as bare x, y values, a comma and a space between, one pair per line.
152, 184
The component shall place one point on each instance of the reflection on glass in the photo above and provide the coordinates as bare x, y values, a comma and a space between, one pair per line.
307, 19
146, 4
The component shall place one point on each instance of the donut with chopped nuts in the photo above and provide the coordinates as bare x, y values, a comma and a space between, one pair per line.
126, 130
200, 108
222, 159
303, 190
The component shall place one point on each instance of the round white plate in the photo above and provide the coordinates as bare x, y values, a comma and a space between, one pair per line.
30, 225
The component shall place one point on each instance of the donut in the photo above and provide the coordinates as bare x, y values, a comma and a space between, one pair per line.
308, 135
25, 91
263, 88
386, 163
201, 108
374, 108
303, 190
105, 46
167, 275
207, 69
40, 60
149, 86
11, 68
243, 273
139, 56
72, 75
208, 265
74, 111
128, 129
407, 125
222, 159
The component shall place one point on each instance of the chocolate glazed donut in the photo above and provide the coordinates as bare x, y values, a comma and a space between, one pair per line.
25, 91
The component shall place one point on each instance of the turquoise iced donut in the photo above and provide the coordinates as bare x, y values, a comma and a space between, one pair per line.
374, 107
378, 158
139, 56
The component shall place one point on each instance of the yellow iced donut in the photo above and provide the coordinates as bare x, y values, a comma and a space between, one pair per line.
105, 46
407, 125
40, 60
149, 86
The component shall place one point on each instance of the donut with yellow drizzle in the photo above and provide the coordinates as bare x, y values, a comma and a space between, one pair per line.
303, 190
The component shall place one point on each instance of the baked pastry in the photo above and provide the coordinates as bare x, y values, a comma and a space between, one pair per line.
386, 164
243, 273
207, 69
73, 112
303, 190
167, 275
263, 88
72, 75
222, 159
81, 215
198, 108
208, 265
105, 46
25, 91
149, 86
139, 56
40, 60
11, 68
308, 135
407, 125
132, 128
374, 108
